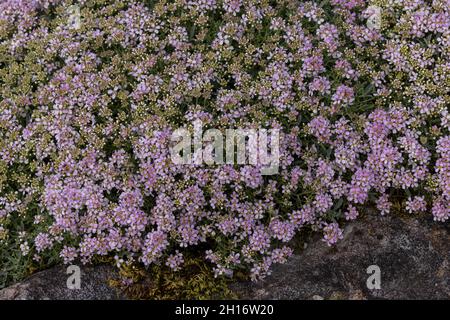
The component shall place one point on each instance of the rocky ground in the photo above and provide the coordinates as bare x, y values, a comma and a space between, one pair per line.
413, 256
51, 284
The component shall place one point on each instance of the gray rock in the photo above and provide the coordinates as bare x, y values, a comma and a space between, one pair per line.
413, 255
51, 284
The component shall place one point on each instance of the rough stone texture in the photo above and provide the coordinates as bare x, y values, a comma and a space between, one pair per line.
51, 284
412, 254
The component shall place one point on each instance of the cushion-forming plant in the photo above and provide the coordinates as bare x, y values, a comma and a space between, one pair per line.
91, 91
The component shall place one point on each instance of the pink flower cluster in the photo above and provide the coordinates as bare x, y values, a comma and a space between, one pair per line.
86, 117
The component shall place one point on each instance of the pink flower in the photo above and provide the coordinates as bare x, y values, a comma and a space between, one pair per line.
332, 233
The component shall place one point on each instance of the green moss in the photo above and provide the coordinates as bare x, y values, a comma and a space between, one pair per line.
194, 281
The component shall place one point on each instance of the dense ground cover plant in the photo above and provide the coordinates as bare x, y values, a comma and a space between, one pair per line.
86, 116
